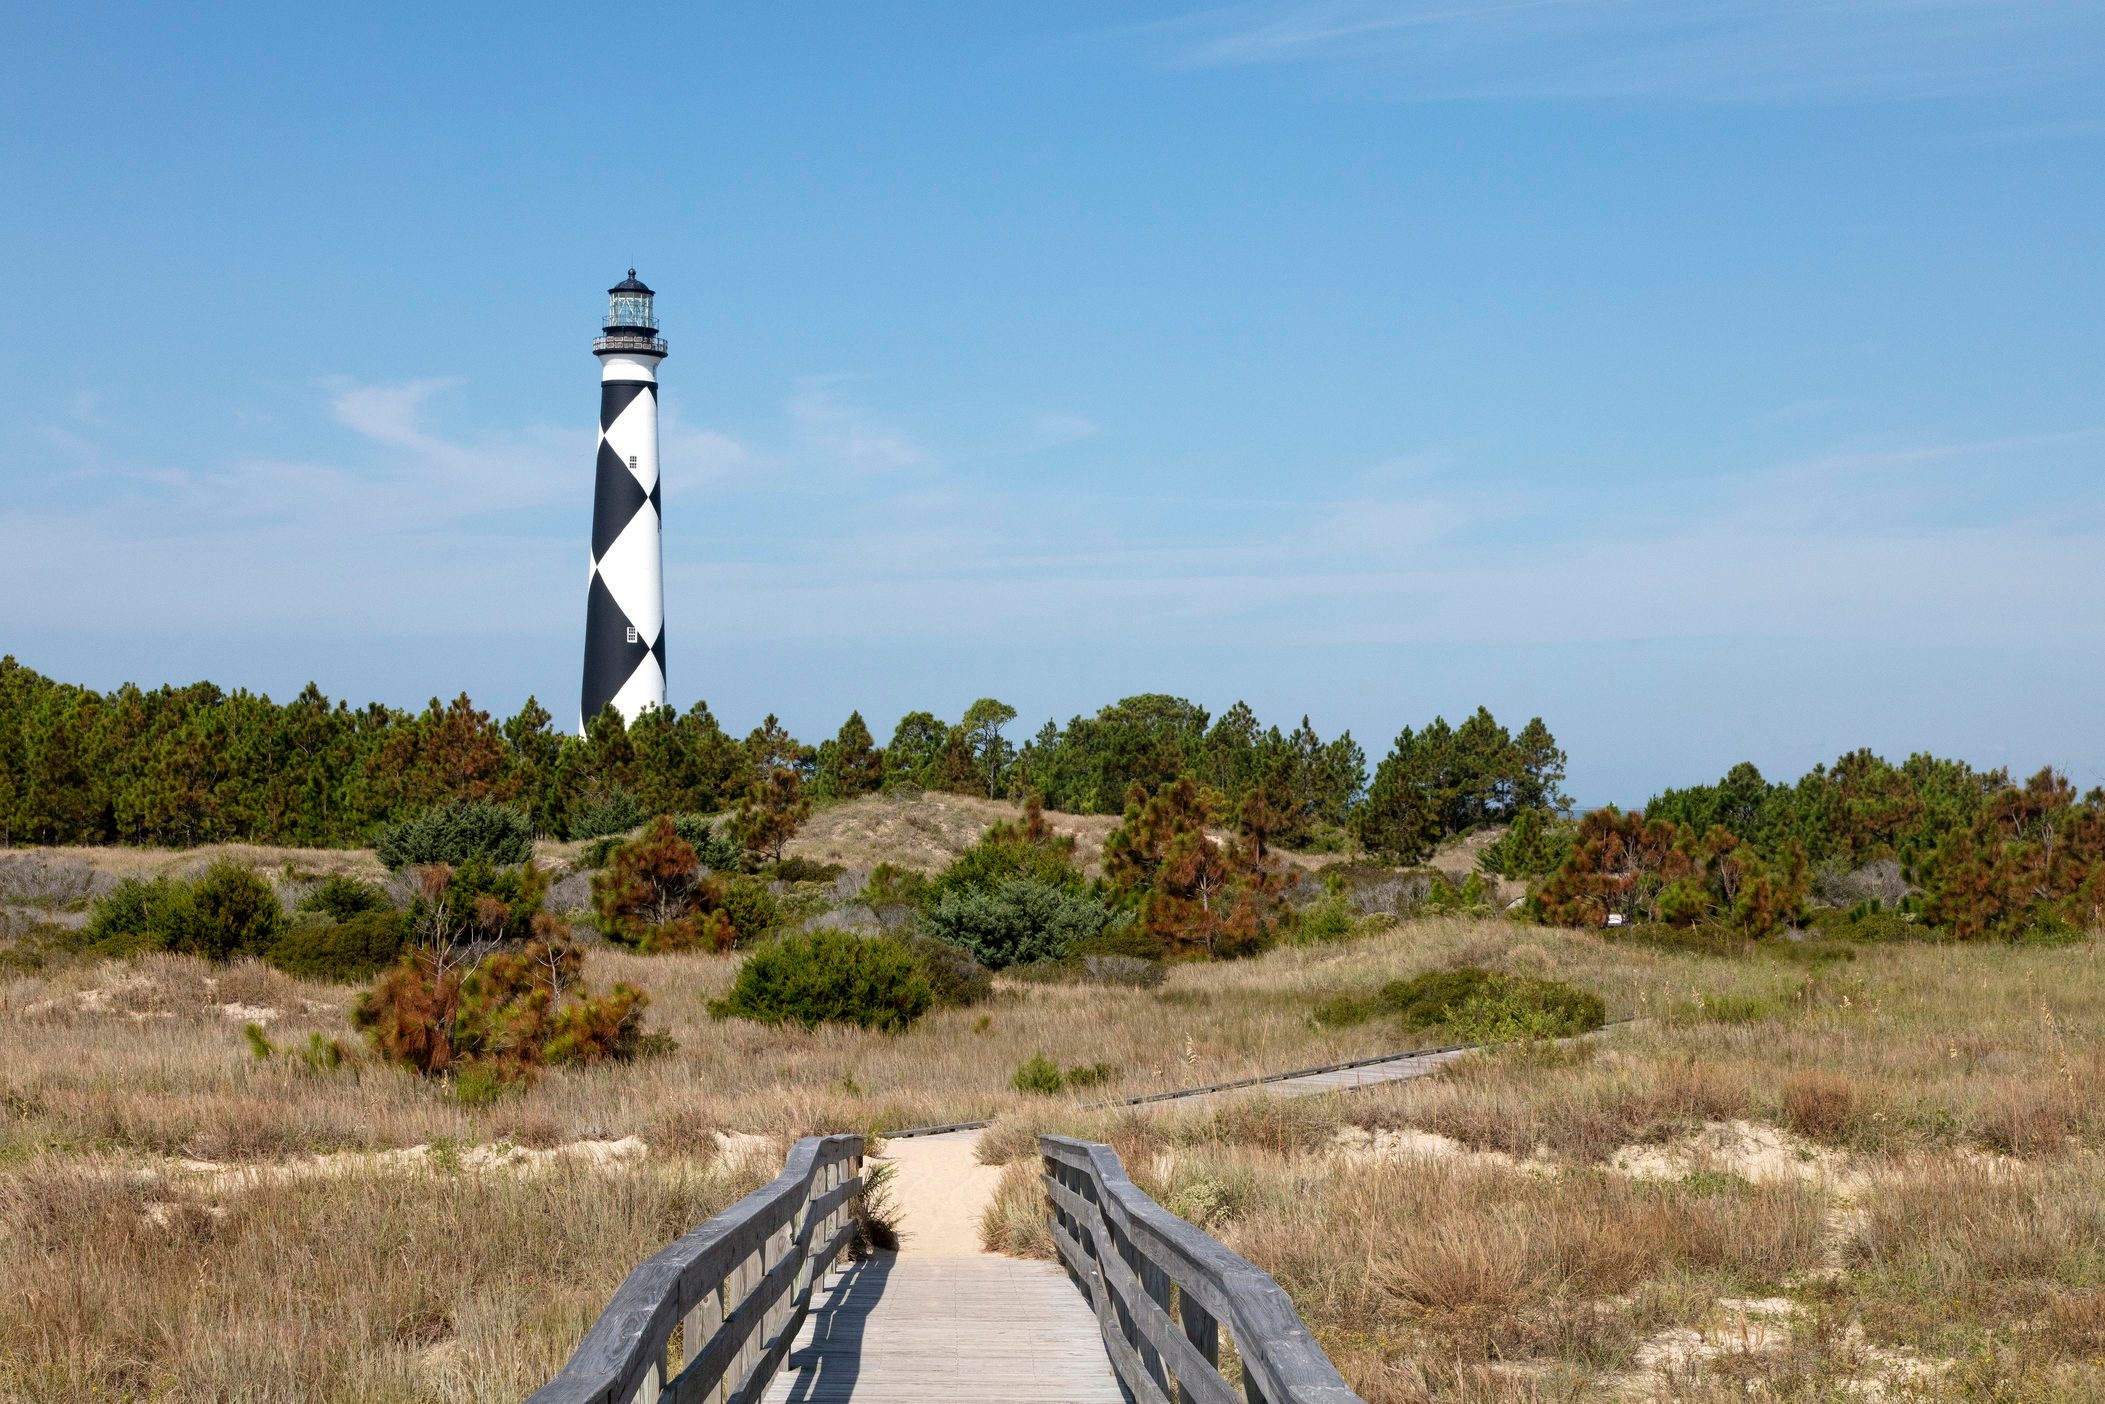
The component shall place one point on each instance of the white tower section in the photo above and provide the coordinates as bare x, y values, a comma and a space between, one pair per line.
625, 609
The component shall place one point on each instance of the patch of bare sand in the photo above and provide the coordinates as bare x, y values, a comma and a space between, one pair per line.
1358, 1143
214, 1176
1738, 1328
939, 1193
1753, 1152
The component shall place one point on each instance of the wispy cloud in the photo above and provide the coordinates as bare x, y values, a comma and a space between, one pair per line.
1707, 50
422, 532
847, 434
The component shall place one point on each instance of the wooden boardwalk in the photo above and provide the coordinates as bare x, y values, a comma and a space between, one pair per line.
908, 1329
942, 1321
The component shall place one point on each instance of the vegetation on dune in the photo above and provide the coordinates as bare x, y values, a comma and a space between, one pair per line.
655, 894
227, 912
1192, 894
830, 977
458, 832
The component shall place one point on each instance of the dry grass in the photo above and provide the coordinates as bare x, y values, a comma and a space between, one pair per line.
1880, 1177
1947, 1100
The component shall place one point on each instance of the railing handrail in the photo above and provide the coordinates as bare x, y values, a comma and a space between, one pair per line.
1125, 1252
741, 1282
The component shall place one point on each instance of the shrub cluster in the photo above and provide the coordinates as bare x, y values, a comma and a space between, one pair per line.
501, 1018
342, 952
654, 894
830, 977
229, 911
456, 833
615, 811
1016, 921
340, 898
1042, 1075
1476, 1005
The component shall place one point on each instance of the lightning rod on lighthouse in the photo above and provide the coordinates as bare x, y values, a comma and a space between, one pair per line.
625, 612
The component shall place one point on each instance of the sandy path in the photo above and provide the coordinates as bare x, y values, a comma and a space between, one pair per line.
939, 1191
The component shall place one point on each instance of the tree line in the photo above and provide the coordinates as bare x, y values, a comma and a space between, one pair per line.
198, 764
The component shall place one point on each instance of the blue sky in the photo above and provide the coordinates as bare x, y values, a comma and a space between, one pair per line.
1718, 380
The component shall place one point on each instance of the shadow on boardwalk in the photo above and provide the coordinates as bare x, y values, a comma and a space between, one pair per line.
828, 1356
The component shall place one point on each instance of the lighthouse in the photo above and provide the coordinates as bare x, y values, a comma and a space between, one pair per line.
625, 611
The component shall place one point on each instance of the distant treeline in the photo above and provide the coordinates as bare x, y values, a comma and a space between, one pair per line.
197, 764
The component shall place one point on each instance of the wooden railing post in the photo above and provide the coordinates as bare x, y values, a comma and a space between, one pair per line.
1203, 1332
701, 1323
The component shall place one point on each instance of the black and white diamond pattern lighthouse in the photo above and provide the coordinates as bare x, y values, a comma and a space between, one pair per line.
625, 616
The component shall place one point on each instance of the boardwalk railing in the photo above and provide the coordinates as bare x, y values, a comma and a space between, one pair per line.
738, 1287
1162, 1290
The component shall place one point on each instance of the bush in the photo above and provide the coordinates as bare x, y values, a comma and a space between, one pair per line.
1010, 850
796, 869
342, 951
231, 912
1326, 921
1484, 1006
138, 915
341, 898
481, 902
456, 833
890, 885
715, 849
1039, 1074
953, 975
1090, 1075
1016, 921
654, 896
615, 812
828, 976
506, 1016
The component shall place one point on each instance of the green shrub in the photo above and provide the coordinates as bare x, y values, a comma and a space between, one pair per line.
955, 977
752, 906
1487, 1006
1708, 1008
1346, 1010
714, 848
229, 911
343, 952
1090, 1075
232, 912
456, 833
615, 812
801, 870
480, 899
1039, 1074
828, 976
139, 915
1010, 850
342, 898
1016, 921
1534, 845
260, 1046
890, 885
1327, 920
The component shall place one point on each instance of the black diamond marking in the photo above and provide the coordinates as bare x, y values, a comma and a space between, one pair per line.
658, 651
614, 397
609, 656
656, 510
615, 500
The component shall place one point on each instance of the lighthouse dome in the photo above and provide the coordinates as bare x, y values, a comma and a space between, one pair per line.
629, 307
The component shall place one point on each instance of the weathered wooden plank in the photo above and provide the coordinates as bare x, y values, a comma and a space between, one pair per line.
924, 1330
